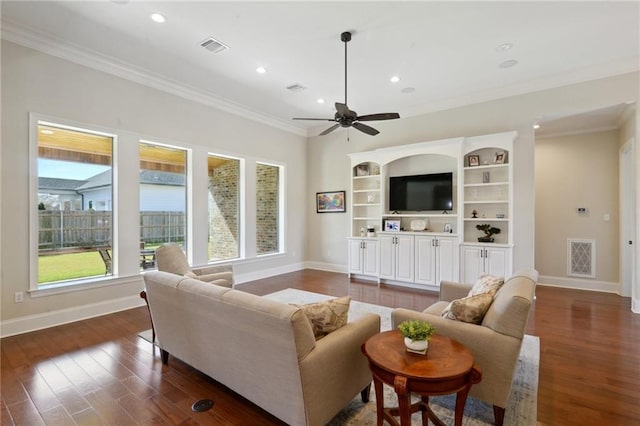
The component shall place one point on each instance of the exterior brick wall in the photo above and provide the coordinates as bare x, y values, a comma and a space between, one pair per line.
224, 210
267, 204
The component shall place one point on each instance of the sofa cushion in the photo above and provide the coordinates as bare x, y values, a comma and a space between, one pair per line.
328, 315
469, 309
486, 284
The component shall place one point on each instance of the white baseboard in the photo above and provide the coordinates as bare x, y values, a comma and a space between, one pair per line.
579, 284
635, 306
329, 267
29, 323
240, 278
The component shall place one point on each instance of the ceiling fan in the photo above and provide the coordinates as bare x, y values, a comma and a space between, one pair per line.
346, 117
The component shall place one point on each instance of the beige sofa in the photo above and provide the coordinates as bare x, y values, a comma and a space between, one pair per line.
262, 349
495, 343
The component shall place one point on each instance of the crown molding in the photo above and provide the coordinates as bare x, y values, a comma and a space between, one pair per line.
49, 45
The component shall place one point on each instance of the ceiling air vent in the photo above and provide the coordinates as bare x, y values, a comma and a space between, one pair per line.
213, 45
296, 87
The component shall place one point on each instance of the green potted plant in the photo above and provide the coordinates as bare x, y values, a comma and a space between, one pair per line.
416, 335
488, 232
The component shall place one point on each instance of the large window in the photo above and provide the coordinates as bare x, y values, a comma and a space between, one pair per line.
268, 209
224, 207
75, 194
163, 195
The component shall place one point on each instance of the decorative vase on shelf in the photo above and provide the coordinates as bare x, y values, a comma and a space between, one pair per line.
416, 346
485, 239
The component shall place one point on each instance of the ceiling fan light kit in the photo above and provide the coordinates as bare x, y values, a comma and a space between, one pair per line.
345, 117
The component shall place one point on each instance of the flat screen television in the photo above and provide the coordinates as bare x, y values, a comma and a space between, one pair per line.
428, 192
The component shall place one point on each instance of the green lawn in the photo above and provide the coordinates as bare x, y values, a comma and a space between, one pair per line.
69, 266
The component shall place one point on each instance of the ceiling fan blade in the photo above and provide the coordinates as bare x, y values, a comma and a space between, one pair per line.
381, 116
315, 119
329, 130
366, 129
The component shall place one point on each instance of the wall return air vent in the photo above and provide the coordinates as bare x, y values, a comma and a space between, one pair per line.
213, 45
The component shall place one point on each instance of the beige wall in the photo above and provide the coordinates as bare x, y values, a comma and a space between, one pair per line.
33, 82
571, 172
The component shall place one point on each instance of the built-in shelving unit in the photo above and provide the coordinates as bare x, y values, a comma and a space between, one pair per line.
448, 247
365, 197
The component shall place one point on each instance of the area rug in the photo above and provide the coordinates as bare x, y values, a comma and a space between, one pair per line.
522, 407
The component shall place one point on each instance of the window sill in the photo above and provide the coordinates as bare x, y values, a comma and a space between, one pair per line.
80, 285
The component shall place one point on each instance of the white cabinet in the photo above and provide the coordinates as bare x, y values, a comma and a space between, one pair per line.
436, 259
484, 259
397, 257
363, 256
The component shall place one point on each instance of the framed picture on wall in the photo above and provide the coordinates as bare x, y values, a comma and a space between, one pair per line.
500, 157
474, 160
331, 202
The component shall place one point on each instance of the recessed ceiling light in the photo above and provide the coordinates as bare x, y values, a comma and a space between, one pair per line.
261, 70
508, 64
395, 79
536, 126
504, 47
46, 132
156, 17
320, 100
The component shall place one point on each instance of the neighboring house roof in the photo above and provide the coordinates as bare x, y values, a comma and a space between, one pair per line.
97, 181
59, 184
103, 179
162, 178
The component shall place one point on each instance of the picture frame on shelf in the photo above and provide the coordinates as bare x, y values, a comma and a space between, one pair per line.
500, 157
331, 202
362, 170
392, 225
474, 160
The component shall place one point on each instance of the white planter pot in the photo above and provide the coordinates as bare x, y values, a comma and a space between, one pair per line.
419, 346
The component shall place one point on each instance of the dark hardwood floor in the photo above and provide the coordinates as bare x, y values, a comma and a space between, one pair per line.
98, 371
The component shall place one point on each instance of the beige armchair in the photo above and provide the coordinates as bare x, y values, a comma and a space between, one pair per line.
495, 343
171, 258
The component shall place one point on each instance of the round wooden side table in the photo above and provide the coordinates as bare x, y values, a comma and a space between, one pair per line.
446, 368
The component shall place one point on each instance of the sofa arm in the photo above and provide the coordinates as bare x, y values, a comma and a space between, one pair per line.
336, 370
451, 291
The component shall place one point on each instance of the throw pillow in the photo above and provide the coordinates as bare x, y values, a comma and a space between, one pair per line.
469, 309
486, 284
327, 316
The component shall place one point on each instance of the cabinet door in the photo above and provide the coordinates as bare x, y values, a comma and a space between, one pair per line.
405, 258
387, 256
446, 261
472, 263
355, 256
370, 258
497, 261
425, 260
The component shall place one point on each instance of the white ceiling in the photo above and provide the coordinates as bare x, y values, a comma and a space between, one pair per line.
445, 51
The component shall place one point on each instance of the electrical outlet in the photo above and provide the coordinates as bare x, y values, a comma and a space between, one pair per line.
18, 297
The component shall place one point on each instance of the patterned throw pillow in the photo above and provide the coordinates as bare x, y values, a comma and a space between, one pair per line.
486, 284
327, 316
469, 309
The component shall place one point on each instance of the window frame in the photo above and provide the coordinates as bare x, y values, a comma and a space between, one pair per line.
35, 289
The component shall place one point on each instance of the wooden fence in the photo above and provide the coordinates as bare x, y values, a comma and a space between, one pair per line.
86, 229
